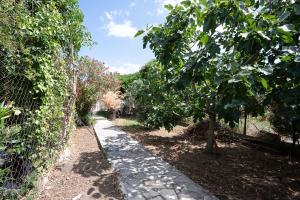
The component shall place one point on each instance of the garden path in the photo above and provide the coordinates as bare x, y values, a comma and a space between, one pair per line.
144, 176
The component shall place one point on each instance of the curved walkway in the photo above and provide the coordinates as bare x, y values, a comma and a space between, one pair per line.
144, 176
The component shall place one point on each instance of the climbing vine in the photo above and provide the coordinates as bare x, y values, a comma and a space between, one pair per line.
42, 39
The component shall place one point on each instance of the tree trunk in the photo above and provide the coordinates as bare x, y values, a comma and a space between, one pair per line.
293, 147
210, 133
111, 114
245, 123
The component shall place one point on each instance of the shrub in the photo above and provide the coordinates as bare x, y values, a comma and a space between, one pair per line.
126, 80
282, 117
86, 98
94, 79
112, 100
157, 104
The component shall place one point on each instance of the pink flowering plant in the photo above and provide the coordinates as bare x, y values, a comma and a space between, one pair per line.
94, 79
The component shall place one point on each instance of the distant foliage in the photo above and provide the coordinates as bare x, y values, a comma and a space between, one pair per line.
283, 119
94, 80
156, 103
126, 80
112, 100
126, 84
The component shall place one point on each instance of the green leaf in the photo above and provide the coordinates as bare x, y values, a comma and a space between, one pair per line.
204, 38
235, 80
263, 35
284, 15
297, 9
209, 23
287, 27
140, 32
286, 58
266, 71
186, 3
269, 17
203, 2
264, 83
169, 7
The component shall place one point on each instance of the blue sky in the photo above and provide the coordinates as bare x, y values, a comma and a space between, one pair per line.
113, 23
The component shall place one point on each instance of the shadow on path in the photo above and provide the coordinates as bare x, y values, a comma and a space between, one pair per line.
93, 164
143, 175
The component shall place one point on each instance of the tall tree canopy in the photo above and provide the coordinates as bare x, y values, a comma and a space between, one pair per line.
239, 55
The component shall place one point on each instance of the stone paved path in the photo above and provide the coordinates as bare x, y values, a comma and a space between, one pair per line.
144, 176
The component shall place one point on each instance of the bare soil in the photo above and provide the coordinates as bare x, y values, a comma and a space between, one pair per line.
84, 173
239, 170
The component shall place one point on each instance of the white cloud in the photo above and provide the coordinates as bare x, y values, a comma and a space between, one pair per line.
115, 29
132, 4
109, 16
118, 12
173, 2
160, 10
121, 30
126, 68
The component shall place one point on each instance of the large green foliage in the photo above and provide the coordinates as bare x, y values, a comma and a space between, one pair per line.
157, 104
39, 40
240, 55
126, 80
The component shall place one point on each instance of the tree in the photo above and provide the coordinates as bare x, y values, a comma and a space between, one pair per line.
227, 50
126, 80
157, 103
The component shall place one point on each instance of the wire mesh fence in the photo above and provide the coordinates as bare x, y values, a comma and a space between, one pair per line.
20, 149
38, 43
14, 164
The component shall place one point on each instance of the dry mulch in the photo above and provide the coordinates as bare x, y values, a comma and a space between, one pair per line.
85, 173
240, 170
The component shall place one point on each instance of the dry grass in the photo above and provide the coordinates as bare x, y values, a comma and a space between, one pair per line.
133, 126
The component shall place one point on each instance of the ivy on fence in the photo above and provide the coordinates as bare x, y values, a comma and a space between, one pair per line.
40, 41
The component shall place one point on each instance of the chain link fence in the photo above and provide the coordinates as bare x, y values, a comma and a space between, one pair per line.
18, 146
14, 165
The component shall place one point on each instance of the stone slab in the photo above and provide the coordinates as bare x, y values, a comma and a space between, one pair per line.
142, 174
